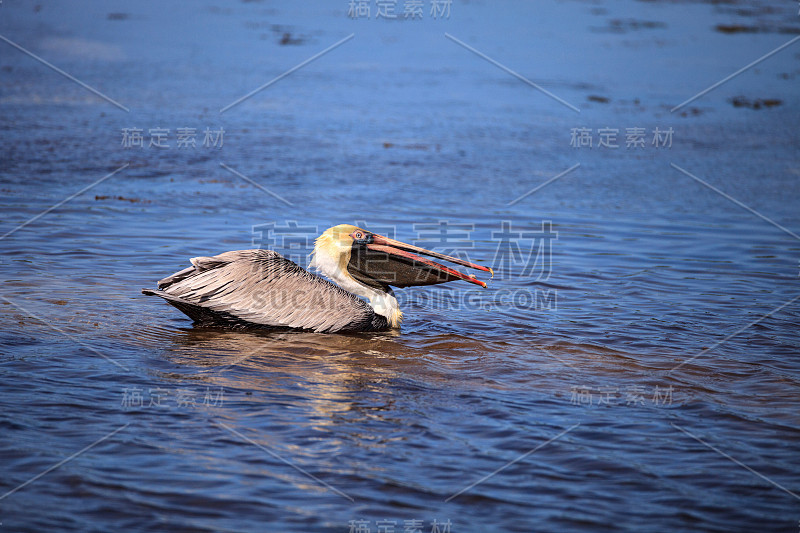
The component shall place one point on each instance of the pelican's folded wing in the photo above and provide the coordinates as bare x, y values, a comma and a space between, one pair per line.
262, 287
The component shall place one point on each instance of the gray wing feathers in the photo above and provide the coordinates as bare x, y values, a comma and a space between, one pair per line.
263, 287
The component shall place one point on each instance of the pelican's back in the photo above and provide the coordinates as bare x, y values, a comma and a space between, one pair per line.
262, 288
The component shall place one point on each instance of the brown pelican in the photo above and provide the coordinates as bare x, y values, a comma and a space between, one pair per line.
261, 288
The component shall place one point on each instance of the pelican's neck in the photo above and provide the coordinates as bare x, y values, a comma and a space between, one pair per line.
333, 264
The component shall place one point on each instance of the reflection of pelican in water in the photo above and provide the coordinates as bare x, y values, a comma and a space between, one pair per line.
261, 288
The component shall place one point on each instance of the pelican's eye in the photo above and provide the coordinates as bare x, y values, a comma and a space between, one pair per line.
361, 237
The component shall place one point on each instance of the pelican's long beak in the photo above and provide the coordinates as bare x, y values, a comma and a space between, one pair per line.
401, 265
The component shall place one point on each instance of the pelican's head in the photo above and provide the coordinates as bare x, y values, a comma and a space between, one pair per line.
368, 264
